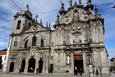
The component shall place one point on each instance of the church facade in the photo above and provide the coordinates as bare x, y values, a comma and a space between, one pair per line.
76, 42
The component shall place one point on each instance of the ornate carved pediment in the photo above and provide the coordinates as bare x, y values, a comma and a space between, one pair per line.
67, 19
77, 36
83, 16
35, 28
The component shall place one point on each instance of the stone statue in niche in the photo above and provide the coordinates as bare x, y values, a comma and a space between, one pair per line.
77, 35
67, 38
83, 16
77, 38
76, 15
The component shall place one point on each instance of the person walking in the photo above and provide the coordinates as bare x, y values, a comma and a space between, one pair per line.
97, 73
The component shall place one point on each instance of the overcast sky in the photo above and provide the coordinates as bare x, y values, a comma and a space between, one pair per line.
47, 10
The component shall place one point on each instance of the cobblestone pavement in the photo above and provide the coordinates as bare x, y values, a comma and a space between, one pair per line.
43, 75
113, 75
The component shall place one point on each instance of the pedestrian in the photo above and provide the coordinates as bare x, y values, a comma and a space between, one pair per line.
97, 73
76, 70
36, 70
20, 70
80, 71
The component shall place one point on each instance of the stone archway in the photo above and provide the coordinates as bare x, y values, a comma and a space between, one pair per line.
40, 65
23, 65
78, 64
11, 67
31, 65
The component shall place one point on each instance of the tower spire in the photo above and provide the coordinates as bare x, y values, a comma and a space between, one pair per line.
70, 2
96, 10
89, 2
36, 17
80, 2
62, 6
89, 5
41, 22
75, 4
57, 21
27, 6
62, 10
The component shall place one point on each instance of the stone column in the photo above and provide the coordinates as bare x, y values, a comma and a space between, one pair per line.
36, 66
8, 66
84, 63
105, 65
26, 66
17, 65
45, 63
8, 56
72, 63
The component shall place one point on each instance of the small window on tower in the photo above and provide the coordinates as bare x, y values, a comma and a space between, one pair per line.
15, 43
34, 39
29, 25
19, 24
42, 43
26, 44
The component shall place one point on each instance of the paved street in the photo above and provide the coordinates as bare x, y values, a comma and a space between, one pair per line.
41, 75
113, 75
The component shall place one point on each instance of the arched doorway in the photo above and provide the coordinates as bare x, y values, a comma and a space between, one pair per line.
11, 67
40, 65
0, 62
31, 65
78, 64
23, 65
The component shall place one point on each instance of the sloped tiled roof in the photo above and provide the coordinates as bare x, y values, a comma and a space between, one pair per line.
3, 52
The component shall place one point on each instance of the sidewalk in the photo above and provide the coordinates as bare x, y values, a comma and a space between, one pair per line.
45, 75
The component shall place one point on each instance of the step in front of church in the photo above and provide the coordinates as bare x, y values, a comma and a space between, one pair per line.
48, 75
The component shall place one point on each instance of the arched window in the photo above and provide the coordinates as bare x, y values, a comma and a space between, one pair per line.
31, 65
34, 39
26, 44
29, 25
23, 65
15, 43
19, 24
42, 43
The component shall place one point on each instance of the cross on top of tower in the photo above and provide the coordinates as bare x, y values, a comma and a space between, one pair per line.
27, 6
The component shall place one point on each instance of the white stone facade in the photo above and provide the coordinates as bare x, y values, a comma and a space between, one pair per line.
78, 35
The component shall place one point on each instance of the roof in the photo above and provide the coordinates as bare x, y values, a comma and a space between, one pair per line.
3, 52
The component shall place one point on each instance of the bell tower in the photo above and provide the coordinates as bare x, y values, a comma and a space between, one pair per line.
22, 21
